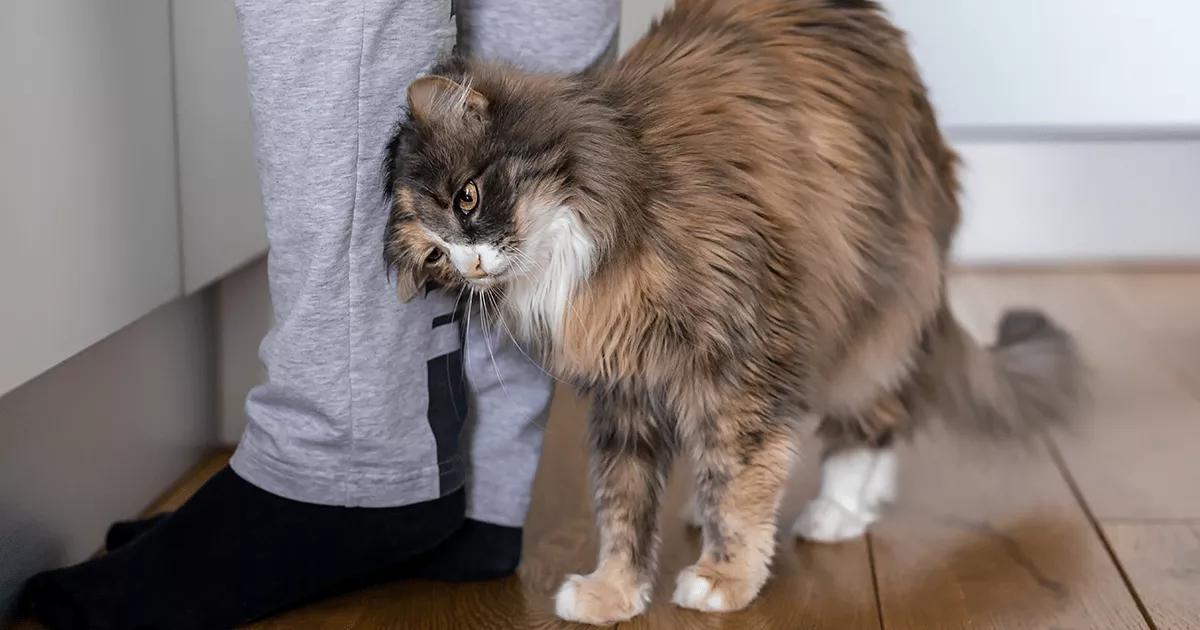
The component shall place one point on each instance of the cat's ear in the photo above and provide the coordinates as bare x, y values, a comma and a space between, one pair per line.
410, 280
432, 97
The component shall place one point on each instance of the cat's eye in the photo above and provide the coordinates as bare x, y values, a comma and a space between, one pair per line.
433, 256
467, 198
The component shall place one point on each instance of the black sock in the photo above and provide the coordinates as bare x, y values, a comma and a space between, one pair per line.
476, 551
122, 533
235, 553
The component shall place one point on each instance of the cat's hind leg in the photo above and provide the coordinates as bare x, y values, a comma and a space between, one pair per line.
858, 473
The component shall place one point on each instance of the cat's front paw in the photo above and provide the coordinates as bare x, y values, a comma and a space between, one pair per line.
705, 588
828, 521
599, 600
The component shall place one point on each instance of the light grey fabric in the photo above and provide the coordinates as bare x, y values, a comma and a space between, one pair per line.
540, 35
363, 400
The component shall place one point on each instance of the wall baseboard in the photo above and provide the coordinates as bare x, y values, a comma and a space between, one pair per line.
93, 439
243, 318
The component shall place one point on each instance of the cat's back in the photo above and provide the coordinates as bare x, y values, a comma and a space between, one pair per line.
759, 62
820, 94
798, 165
702, 46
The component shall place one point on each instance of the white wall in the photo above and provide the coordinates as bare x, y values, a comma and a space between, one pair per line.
1080, 200
1078, 122
1058, 63
97, 437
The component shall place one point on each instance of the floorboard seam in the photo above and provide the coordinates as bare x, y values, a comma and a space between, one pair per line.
1151, 520
1108, 548
875, 581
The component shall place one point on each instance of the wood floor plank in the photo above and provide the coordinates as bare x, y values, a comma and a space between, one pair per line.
1165, 307
992, 537
1133, 453
190, 483
984, 538
1163, 561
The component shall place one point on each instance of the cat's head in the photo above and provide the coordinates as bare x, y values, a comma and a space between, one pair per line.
477, 175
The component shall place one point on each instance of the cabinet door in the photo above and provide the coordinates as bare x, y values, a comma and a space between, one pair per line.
219, 194
89, 232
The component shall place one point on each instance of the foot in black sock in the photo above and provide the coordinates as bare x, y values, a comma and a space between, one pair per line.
476, 551
235, 553
122, 533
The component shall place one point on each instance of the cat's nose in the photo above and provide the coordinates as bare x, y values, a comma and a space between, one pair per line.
475, 273
467, 261
476, 261
472, 269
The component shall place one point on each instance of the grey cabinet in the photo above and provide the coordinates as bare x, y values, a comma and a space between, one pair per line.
89, 228
127, 174
219, 195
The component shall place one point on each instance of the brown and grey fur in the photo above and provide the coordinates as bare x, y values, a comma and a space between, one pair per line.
768, 203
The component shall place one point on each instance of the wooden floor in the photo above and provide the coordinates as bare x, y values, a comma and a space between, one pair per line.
1099, 529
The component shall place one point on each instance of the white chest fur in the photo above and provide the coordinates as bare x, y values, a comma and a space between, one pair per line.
561, 256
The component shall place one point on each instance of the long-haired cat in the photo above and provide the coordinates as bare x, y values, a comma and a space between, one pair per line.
742, 223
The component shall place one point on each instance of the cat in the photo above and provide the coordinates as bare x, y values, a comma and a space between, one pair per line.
741, 224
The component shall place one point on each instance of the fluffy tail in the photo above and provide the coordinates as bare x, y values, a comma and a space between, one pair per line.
1031, 378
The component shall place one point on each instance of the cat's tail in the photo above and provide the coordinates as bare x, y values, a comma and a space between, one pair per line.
1031, 378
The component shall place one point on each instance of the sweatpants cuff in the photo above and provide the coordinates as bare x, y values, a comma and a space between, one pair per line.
356, 489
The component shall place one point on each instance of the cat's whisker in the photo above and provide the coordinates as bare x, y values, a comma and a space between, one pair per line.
518, 264
500, 317
449, 381
522, 265
526, 257
465, 93
458, 299
523, 260
530, 271
487, 340
535, 363
541, 268
466, 338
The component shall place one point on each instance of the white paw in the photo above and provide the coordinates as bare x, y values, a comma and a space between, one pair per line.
828, 521
566, 601
697, 593
702, 587
590, 599
566, 597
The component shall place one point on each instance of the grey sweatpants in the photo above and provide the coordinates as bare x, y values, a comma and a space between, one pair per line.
365, 402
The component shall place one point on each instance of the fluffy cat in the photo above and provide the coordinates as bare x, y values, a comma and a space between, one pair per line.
742, 223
